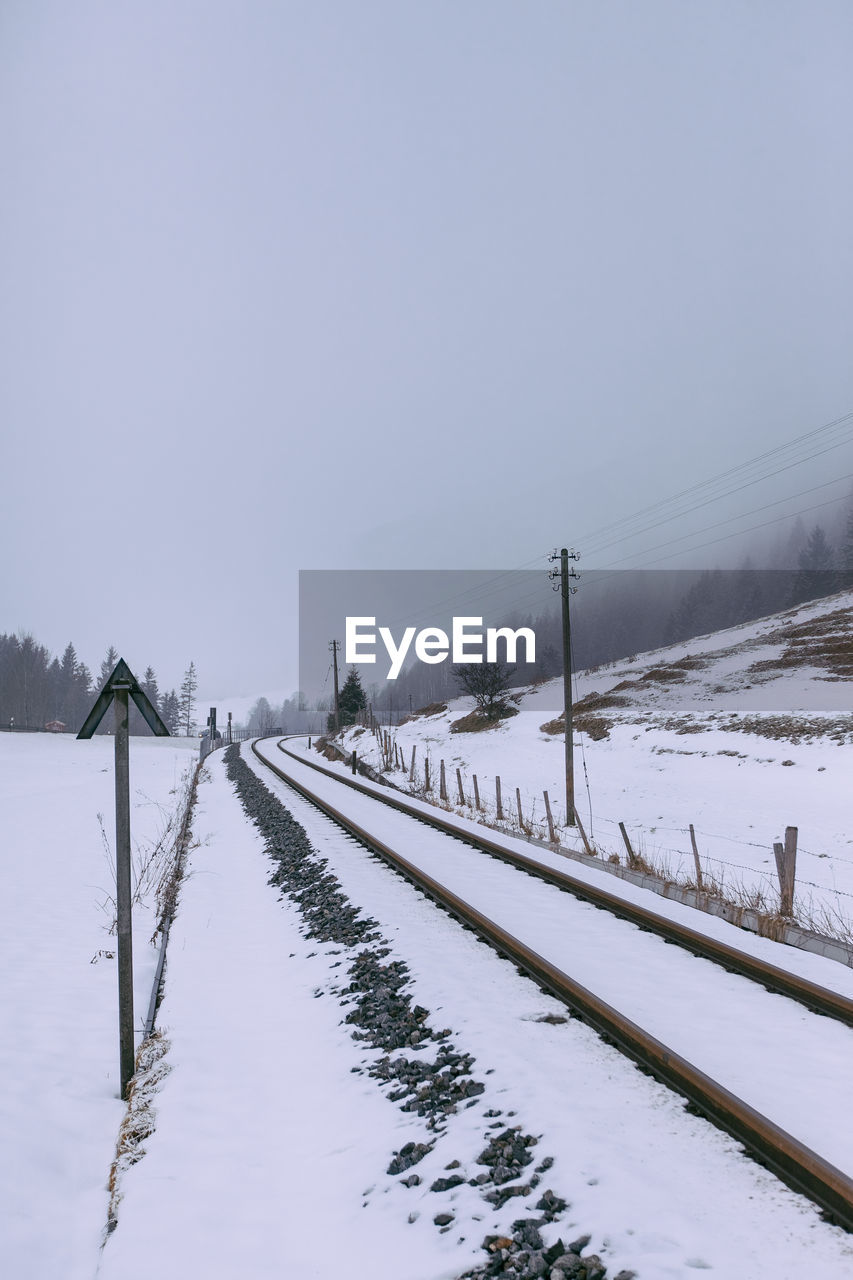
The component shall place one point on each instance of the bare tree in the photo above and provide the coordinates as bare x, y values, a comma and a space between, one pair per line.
486, 683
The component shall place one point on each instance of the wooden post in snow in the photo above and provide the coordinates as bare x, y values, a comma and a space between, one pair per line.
498, 796
412, 766
786, 866
518, 806
426, 773
551, 834
632, 857
696, 861
586, 844
476, 793
442, 785
459, 785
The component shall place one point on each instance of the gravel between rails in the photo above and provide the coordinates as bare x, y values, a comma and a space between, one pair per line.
380, 1009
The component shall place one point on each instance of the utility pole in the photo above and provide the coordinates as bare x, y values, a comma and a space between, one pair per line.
566, 589
334, 645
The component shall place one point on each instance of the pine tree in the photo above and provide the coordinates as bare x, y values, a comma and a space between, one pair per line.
148, 684
352, 698
845, 554
107, 666
816, 575
187, 700
170, 711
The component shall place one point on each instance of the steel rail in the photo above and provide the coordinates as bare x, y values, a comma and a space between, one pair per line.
815, 997
795, 1164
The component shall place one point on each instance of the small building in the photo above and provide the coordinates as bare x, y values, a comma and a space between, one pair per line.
55, 726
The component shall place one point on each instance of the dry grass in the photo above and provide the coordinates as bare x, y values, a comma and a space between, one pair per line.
823, 642
431, 709
595, 727
138, 1122
664, 675
477, 721
155, 867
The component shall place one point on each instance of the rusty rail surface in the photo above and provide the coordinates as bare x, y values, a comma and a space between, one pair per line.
818, 999
793, 1163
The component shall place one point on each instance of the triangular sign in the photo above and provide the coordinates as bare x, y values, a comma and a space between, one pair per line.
123, 678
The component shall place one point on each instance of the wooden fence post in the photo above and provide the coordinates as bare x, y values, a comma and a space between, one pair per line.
518, 806
412, 767
696, 859
442, 785
586, 844
498, 796
426, 774
459, 785
551, 834
476, 793
632, 857
786, 866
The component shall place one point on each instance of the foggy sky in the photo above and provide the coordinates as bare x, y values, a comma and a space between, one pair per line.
395, 284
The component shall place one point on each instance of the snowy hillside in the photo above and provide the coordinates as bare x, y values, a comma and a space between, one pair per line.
741, 733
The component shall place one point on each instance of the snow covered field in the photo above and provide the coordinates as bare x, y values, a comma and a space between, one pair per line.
742, 733
271, 1150
58, 998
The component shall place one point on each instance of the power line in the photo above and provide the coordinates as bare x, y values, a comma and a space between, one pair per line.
843, 424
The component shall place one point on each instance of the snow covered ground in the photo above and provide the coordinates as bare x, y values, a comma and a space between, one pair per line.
272, 1145
58, 997
742, 733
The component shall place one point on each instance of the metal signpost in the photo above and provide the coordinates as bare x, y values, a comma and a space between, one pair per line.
120, 684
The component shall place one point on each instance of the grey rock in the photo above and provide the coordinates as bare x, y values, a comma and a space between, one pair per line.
447, 1184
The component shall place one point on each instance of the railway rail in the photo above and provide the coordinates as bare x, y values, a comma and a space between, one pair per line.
819, 999
797, 1165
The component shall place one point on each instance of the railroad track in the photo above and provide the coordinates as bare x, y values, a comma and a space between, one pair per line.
818, 999
797, 1165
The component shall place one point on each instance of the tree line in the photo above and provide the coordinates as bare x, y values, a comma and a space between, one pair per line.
37, 689
618, 613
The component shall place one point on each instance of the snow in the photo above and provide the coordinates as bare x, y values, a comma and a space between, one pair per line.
58, 1007
269, 1152
675, 756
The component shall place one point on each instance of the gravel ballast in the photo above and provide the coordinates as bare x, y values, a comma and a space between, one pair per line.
423, 1071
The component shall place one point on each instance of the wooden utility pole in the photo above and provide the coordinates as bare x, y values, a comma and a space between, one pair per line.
334, 645
565, 574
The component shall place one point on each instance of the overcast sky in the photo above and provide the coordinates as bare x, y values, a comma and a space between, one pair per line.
393, 284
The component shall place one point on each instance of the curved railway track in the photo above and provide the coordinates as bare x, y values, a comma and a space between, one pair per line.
791, 1160
818, 999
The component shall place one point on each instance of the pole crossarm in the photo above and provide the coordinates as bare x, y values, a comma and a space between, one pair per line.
122, 678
